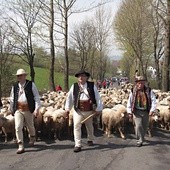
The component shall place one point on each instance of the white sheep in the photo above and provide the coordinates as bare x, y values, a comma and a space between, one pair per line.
114, 118
59, 122
8, 126
152, 119
164, 116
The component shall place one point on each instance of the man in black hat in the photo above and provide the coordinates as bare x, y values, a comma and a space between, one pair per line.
85, 98
141, 104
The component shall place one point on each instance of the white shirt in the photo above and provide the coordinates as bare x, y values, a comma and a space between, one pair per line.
22, 97
83, 96
153, 102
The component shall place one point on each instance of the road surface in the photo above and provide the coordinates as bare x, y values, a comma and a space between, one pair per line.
106, 154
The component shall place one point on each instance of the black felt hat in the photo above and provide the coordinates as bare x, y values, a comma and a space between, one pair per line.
82, 72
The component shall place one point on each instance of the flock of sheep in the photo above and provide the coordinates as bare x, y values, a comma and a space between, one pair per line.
53, 122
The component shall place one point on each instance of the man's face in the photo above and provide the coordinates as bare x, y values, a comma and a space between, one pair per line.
140, 85
82, 78
21, 77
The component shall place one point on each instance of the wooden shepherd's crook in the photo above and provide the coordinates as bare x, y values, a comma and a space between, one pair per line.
87, 118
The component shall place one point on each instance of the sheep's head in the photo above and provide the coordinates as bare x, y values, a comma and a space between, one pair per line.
47, 119
156, 115
60, 119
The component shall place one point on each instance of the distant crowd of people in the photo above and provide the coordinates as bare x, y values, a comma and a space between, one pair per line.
106, 83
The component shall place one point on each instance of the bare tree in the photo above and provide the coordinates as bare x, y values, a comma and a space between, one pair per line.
65, 7
83, 41
23, 17
102, 21
52, 47
6, 60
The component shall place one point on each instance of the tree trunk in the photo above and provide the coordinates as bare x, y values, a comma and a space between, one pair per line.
166, 64
0, 87
52, 49
32, 72
66, 69
158, 77
31, 55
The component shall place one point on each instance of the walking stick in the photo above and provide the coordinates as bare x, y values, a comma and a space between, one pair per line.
87, 118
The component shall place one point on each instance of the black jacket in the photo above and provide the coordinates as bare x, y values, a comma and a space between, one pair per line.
0, 103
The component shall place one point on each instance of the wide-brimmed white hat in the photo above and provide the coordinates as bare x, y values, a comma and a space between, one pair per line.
20, 72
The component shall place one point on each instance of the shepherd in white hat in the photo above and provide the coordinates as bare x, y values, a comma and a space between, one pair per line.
24, 105
20, 72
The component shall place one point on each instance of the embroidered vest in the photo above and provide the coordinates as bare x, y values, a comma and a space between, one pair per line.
76, 93
28, 93
147, 92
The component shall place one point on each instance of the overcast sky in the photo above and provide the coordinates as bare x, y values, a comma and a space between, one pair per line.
79, 17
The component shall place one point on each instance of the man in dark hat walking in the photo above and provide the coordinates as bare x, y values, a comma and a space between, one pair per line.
141, 104
85, 98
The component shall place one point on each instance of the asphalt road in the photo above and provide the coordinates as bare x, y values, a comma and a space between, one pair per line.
106, 154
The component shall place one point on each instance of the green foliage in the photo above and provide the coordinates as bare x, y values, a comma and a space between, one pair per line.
7, 80
153, 84
41, 57
42, 77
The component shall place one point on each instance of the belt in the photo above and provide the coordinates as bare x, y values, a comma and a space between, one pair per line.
85, 105
23, 106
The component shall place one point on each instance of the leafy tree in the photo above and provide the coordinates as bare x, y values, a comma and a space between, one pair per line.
134, 32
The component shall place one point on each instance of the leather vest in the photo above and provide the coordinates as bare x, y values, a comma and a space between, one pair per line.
76, 93
28, 93
0, 103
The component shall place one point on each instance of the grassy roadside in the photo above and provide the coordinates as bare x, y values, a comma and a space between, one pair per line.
42, 77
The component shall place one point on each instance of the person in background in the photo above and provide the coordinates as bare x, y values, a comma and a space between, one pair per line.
85, 98
141, 104
24, 105
104, 84
58, 88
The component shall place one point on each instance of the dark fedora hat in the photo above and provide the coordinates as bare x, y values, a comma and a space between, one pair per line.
140, 78
82, 72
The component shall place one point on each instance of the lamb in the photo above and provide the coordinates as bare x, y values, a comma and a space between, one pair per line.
47, 123
38, 123
54, 122
164, 116
8, 126
70, 123
152, 119
58, 122
114, 118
